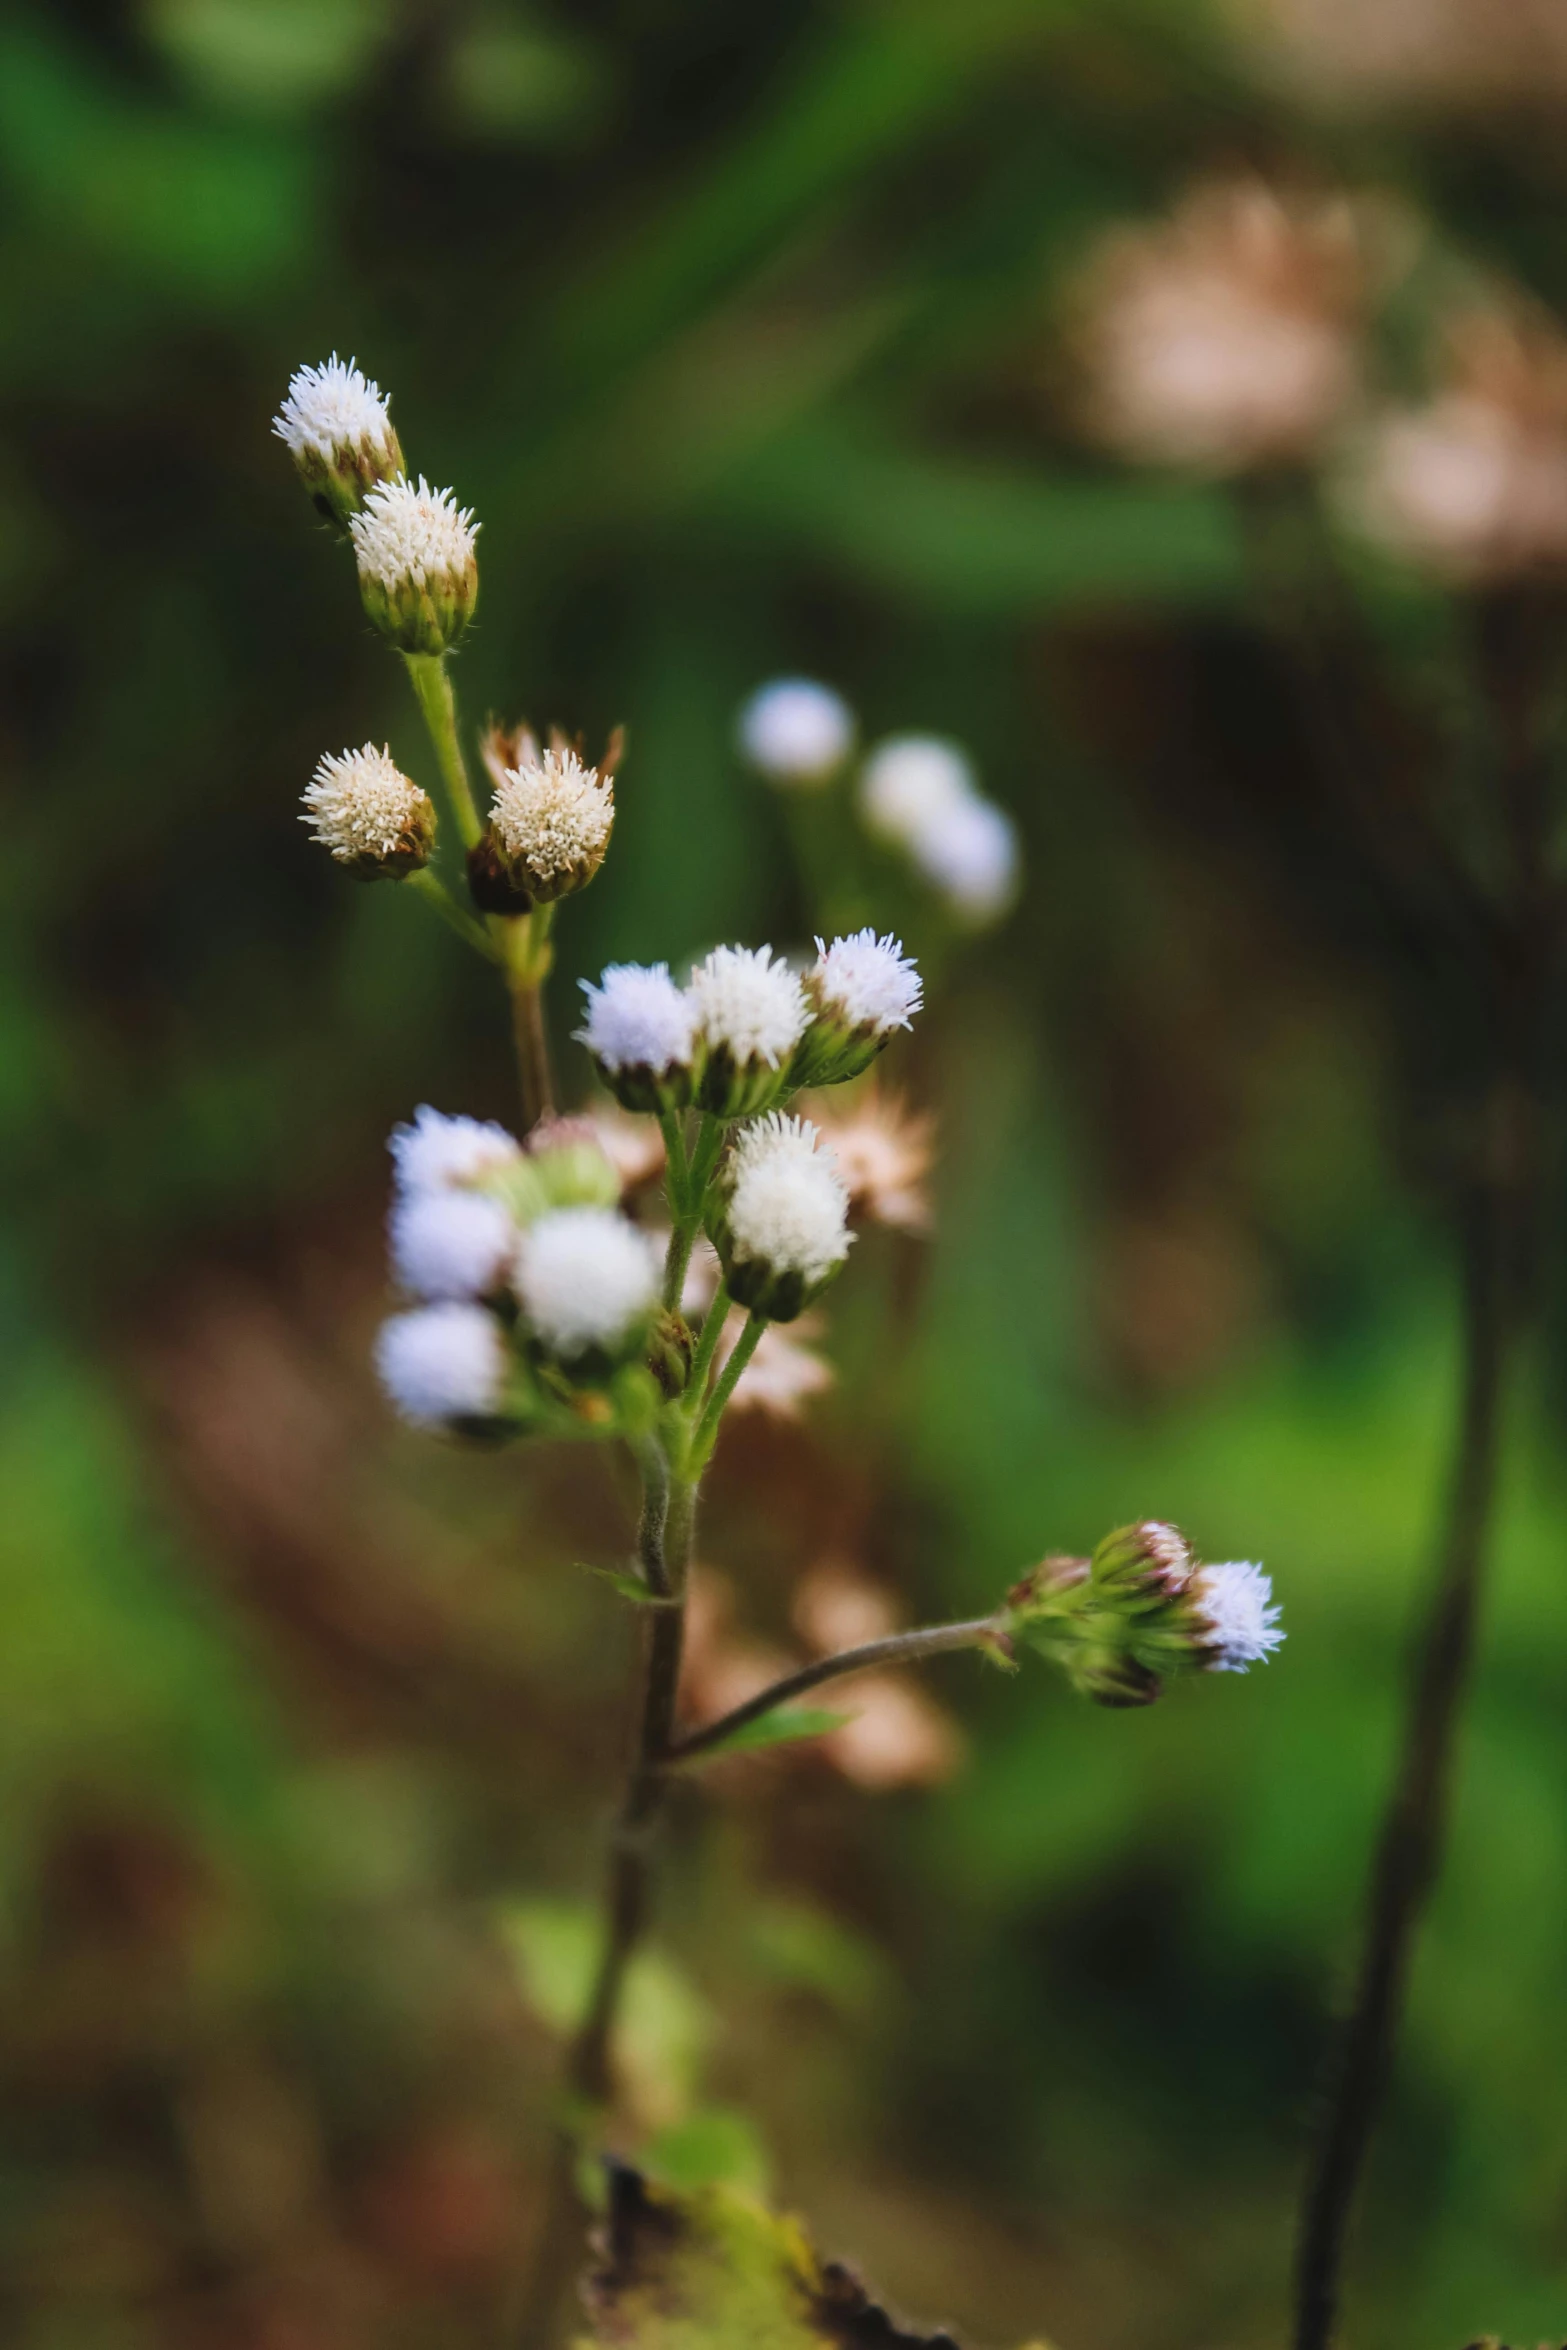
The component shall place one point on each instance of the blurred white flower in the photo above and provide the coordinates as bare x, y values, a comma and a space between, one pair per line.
435, 1151
586, 1280
441, 1363
796, 731
1239, 1613
450, 1243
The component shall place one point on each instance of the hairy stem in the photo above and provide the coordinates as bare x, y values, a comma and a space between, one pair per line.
688, 1219
432, 686
706, 1347
724, 1386
898, 1648
663, 1551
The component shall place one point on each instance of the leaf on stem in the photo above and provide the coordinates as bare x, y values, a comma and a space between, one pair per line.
779, 1728
714, 2270
629, 1585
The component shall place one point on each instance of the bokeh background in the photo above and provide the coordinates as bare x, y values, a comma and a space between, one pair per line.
746, 330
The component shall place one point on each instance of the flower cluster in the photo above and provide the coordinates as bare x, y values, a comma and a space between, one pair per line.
746, 1030
1144, 1607
916, 793
533, 1291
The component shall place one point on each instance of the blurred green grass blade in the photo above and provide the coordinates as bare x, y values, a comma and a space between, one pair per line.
985, 540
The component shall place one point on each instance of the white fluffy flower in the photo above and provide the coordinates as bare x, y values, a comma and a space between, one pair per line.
407, 532
1241, 1615
912, 781
970, 855
749, 1003
450, 1243
795, 730
586, 1278
638, 1018
787, 1204
360, 805
332, 408
868, 981
553, 813
436, 1153
442, 1362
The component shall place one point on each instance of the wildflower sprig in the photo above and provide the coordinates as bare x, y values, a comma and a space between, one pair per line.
541, 1296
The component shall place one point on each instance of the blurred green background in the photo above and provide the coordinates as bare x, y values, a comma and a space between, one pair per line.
735, 324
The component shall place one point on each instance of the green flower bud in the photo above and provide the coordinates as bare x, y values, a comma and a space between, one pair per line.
369, 816
335, 425
779, 1218
418, 575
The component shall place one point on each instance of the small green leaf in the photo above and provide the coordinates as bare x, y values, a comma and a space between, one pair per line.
779, 1728
630, 1586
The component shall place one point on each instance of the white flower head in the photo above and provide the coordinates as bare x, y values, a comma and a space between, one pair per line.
552, 816
868, 982
1239, 1614
788, 1208
637, 1018
910, 782
330, 411
441, 1363
408, 532
450, 1243
363, 809
796, 731
437, 1153
586, 1280
970, 855
749, 1004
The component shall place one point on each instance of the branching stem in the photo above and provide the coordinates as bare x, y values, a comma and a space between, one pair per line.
898, 1648
428, 885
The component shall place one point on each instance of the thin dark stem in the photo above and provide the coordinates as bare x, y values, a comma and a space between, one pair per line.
898, 1648
1499, 1246
663, 1550
1413, 1834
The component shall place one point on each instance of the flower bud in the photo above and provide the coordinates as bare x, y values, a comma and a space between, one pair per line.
549, 827
670, 1350
572, 1166
334, 424
1149, 1559
369, 816
861, 989
780, 1218
1236, 1617
418, 574
751, 1013
437, 1153
586, 1282
642, 1032
1113, 1676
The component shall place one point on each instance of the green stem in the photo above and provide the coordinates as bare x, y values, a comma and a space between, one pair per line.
706, 1347
528, 956
428, 885
699, 1174
740, 1354
433, 690
677, 1173
898, 1648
